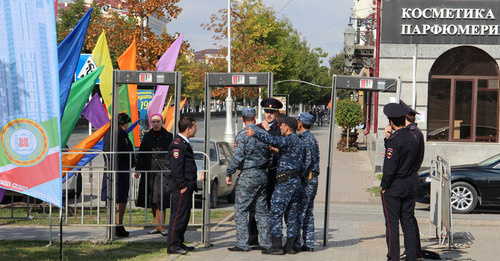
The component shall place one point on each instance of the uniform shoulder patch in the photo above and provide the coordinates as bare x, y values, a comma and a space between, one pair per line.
177, 140
175, 153
389, 152
235, 144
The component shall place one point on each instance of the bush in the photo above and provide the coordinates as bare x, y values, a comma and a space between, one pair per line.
348, 114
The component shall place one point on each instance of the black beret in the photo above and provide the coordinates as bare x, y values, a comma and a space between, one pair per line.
290, 122
271, 104
409, 108
394, 110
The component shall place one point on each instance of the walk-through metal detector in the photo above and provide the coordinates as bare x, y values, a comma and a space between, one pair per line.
141, 78
356, 83
262, 79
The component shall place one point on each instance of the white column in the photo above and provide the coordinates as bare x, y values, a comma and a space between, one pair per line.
228, 133
259, 108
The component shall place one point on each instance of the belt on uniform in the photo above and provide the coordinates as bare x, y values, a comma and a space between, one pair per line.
286, 175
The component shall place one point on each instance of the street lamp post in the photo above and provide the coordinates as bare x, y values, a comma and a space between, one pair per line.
349, 46
228, 133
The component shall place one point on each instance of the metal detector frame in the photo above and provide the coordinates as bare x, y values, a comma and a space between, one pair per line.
350, 83
143, 78
235, 79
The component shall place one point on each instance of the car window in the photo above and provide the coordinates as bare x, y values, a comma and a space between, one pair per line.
229, 151
198, 146
490, 161
222, 153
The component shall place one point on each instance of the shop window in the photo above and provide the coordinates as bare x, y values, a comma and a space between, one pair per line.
463, 97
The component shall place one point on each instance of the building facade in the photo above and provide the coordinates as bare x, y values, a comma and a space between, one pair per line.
447, 54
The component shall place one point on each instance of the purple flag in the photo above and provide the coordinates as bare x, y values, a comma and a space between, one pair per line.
95, 113
2, 192
165, 64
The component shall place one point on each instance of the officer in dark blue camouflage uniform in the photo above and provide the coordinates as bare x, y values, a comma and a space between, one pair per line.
251, 157
285, 199
305, 122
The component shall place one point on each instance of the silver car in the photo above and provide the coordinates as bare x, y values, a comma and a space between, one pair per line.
220, 156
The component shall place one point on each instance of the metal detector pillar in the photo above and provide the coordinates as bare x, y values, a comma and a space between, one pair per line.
141, 78
224, 80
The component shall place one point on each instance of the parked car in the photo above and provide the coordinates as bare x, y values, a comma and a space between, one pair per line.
220, 156
471, 185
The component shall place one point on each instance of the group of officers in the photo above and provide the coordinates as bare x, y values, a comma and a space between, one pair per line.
279, 163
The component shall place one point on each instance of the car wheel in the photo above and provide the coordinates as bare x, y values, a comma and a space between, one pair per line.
214, 197
463, 197
231, 197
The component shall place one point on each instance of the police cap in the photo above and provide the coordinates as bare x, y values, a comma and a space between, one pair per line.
412, 111
306, 118
248, 112
290, 122
271, 104
394, 110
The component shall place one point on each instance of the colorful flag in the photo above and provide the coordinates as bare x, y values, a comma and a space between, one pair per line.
80, 91
89, 142
101, 57
30, 152
165, 64
165, 111
128, 61
169, 120
68, 54
95, 113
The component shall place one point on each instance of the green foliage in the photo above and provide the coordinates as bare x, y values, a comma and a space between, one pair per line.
348, 114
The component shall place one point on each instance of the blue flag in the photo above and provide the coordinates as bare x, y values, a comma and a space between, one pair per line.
68, 53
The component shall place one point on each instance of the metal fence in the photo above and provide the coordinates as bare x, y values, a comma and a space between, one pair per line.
440, 205
82, 200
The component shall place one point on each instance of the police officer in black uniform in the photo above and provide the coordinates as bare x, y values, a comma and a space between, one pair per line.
271, 109
399, 182
181, 186
412, 126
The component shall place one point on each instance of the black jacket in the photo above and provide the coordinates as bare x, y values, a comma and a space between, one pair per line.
182, 165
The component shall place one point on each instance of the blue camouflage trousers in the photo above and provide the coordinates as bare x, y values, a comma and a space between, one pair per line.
285, 201
251, 192
311, 188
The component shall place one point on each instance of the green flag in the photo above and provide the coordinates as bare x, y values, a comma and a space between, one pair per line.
124, 105
78, 97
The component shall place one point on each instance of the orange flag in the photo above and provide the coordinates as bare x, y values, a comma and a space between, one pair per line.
330, 104
169, 120
128, 62
87, 143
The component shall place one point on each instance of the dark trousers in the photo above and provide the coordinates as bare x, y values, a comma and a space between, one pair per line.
253, 233
179, 218
398, 204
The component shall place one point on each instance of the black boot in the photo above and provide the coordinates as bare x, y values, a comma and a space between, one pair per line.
276, 247
290, 246
121, 232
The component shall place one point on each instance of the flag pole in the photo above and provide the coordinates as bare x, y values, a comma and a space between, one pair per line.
60, 235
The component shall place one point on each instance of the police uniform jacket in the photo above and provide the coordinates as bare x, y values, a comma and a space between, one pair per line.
420, 141
400, 156
182, 165
292, 150
274, 130
312, 157
249, 152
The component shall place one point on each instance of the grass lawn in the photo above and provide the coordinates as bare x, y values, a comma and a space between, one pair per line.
36, 250
136, 216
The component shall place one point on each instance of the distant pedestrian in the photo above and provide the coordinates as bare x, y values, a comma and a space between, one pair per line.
153, 186
181, 185
122, 177
285, 199
305, 122
251, 157
399, 182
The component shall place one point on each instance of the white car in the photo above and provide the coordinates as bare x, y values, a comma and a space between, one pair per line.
221, 154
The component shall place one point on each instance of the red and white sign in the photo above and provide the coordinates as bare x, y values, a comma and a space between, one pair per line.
238, 79
366, 83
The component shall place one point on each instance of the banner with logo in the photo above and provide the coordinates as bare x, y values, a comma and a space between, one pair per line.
30, 160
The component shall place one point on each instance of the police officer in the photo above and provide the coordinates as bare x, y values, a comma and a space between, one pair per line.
305, 122
181, 186
412, 126
271, 109
399, 182
285, 199
251, 157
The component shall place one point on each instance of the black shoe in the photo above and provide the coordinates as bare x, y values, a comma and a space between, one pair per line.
164, 233
187, 248
238, 249
276, 247
290, 246
306, 249
121, 232
257, 248
253, 241
178, 251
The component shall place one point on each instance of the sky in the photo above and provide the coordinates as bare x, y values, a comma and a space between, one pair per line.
320, 22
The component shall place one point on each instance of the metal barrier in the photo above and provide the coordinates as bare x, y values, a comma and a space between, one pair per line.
440, 205
91, 207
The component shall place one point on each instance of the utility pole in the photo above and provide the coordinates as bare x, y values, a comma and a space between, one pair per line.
228, 133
